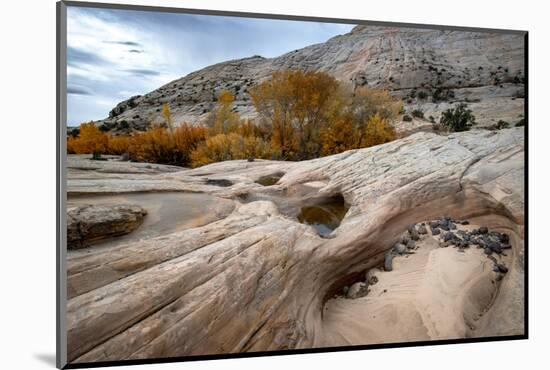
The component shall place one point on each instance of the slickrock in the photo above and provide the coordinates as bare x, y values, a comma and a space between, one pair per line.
259, 280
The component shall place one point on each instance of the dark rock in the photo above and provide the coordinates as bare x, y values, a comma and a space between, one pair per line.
411, 244
452, 226
399, 248
448, 237
465, 222
388, 259
436, 231
504, 238
434, 224
463, 244
219, 182
495, 247
487, 251
502, 268
483, 230
422, 230
413, 233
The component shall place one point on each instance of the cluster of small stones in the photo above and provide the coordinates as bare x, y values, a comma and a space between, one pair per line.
406, 245
360, 288
492, 242
446, 230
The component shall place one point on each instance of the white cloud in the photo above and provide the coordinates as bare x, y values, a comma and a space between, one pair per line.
116, 51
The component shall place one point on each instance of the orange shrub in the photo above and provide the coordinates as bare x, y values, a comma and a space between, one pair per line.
90, 140
186, 139
339, 135
154, 145
118, 144
157, 145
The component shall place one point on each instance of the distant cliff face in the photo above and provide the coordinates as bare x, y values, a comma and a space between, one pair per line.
430, 69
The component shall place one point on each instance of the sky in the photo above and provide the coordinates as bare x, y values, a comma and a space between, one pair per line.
114, 54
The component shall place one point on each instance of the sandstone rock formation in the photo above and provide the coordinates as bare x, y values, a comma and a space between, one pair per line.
89, 224
430, 69
258, 279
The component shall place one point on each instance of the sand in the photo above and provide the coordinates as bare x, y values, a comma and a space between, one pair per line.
435, 293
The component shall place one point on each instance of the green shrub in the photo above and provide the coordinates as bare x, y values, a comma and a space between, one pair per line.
520, 123
502, 124
417, 113
458, 119
124, 124
438, 95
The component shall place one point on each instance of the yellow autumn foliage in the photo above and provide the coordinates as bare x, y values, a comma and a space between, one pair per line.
301, 115
222, 147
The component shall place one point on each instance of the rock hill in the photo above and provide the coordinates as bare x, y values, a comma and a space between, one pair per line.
429, 69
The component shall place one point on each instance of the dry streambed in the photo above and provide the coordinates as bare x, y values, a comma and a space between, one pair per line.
268, 268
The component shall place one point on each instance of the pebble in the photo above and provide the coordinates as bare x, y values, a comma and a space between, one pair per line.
504, 238
495, 247
399, 248
502, 268
355, 290
463, 245
448, 236
388, 261
422, 230
373, 280
414, 234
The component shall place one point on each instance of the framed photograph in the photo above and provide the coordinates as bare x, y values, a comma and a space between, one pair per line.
235, 184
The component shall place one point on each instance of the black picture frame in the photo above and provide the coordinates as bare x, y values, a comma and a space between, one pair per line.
61, 157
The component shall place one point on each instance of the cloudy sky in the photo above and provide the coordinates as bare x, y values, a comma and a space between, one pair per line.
114, 54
